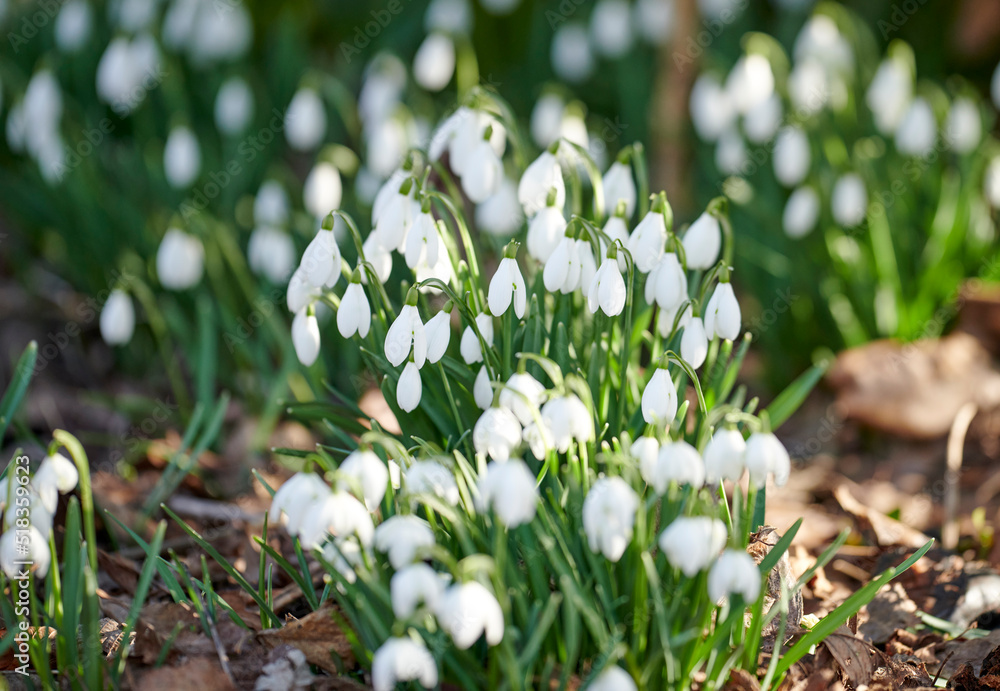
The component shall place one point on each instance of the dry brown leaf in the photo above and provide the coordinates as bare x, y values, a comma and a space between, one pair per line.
318, 636
888, 532
856, 658
192, 673
890, 610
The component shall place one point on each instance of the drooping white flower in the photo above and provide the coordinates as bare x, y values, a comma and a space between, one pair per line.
400, 660
123, 69
323, 190
588, 266
56, 475
613, 678
572, 58
370, 472
666, 318
712, 109
73, 25
403, 538
619, 186
409, 388
179, 260
270, 205
762, 121
305, 120
449, 16
422, 241
407, 330
765, 454
562, 268
722, 314
792, 156
305, 336
694, 343
434, 63
522, 395
181, 157
546, 118
889, 94
691, 543
482, 389
433, 479
470, 347
541, 176
321, 260
501, 214
607, 289
644, 450
295, 498
702, 242
496, 434
917, 130
466, 611
734, 573
963, 130
616, 229
646, 243
395, 219
443, 271
667, 283
300, 292
609, 516
731, 153
379, 257
676, 462
271, 253
659, 398
438, 334
750, 82
565, 419
506, 287
801, 212
483, 173
234, 106
725, 456
338, 514
849, 201
117, 318
545, 231
654, 20
413, 586
510, 489
16, 548
470, 131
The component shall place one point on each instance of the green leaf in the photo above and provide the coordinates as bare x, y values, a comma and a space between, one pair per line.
18, 386
789, 400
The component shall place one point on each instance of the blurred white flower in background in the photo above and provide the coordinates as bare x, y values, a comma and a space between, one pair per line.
179, 260
117, 318
792, 156
734, 573
271, 253
522, 395
654, 20
501, 213
400, 660
234, 106
413, 586
677, 462
691, 543
712, 108
540, 178
572, 58
750, 82
801, 212
918, 129
611, 28
991, 182
467, 611
731, 153
449, 16
613, 678
609, 515
323, 190
619, 186
127, 71
432, 479
766, 455
482, 389
510, 489
725, 456
849, 200
402, 538
546, 119
305, 336
181, 157
889, 94
133, 15
964, 127
500, 7
305, 120
434, 63
270, 206
74, 24
370, 471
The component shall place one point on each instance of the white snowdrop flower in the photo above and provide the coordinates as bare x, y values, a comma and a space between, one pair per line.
510, 489
694, 343
572, 58
917, 130
384, 80
546, 119
300, 292
409, 388
15, 128
413, 586
849, 200
56, 475
234, 106
482, 390
538, 437
181, 157
355, 314
609, 515
399, 660
379, 257
126, 71
433, 479
539, 178
13, 554
665, 320
386, 142
659, 398
562, 269
469, 134
703, 241
370, 472
963, 130
991, 182
305, 336
607, 289
434, 63
722, 314
588, 266
763, 120
889, 94
470, 347
765, 454
676, 462
43, 108
725, 456
321, 260
496, 434
750, 82
809, 86
654, 20
501, 213
345, 556
792, 157
731, 153
522, 395
619, 185
403, 538
644, 450
305, 120
691, 543
338, 514
712, 109
449, 16
323, 190
270, 206
820, 39
667, 283
573, 128
483, 173
801, 212
734, 573
499, 7
565, 419
73, 25
220, 35
396, 218
616, 229
117, 318
612, 679
611, 28
180, 260
467, 611
438, 334
507, 287
407, 330
442, 271
422, 241
545, 231
271, 253
295, 498
440, 140
646, 243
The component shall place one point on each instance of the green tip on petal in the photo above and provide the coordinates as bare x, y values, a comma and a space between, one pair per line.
356, 276
620, 209
550, 200
554, 147
488, 133
407, 185
510, 251
411, 297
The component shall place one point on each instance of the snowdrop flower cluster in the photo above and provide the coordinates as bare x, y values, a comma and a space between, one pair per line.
33, 125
